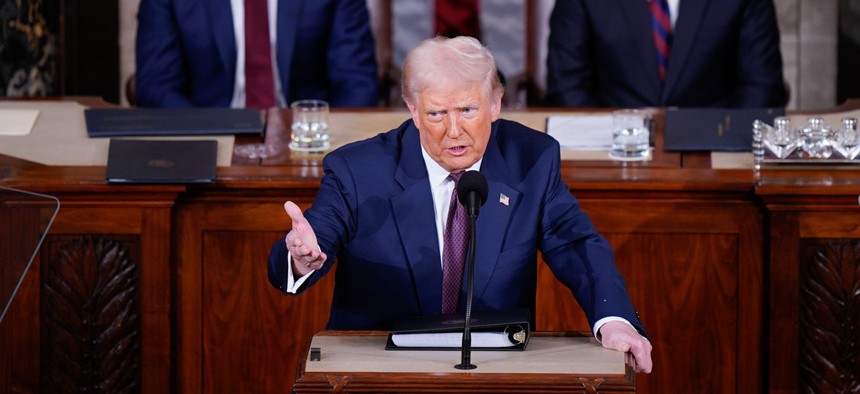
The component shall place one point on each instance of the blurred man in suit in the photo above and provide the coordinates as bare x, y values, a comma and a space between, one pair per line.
254, 53
714, 53
385, 208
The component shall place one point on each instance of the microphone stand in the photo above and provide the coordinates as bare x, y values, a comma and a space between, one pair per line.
466, 353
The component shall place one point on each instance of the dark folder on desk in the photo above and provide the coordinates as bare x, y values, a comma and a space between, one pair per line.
512, 324
147, 161
121, 122
714, 129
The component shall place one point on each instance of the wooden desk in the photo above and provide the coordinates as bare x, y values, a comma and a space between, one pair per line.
169, 283
552, 363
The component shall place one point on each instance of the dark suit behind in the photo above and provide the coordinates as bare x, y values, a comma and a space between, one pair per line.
375, 210
725, 53
186, 53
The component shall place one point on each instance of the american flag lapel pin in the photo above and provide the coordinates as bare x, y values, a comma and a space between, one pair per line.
504, 200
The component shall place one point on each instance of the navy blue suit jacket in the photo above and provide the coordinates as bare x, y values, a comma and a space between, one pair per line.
374, 211
186, 53
725, 53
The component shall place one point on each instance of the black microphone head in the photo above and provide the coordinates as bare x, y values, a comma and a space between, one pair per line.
472, 182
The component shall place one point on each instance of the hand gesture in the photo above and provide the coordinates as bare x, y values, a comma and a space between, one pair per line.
620, 336
302, 243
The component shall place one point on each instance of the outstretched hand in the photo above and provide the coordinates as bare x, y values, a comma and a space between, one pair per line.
302, 243
620, 336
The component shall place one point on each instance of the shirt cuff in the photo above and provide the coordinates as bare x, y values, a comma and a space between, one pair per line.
293, 285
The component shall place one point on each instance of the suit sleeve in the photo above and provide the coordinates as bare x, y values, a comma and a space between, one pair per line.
160, 77
580, 257
351, 57
759, 67
569, 57
330, 217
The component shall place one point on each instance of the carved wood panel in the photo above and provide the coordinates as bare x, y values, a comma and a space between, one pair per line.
91, 320
694, 273
829, 353
253, 335
685, 287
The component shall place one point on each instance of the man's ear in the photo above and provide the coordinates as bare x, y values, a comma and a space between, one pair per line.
413, 110
496, 107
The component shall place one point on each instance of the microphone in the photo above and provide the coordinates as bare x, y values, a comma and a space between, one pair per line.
472, 192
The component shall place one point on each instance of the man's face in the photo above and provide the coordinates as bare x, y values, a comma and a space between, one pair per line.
454, 122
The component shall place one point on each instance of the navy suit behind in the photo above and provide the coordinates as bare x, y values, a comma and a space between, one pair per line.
186, 53
725, 53
374, 211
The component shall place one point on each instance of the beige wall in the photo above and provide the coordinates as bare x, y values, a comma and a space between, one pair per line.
127, 33
809, 38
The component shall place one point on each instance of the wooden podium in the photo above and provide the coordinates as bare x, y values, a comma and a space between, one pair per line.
356, 361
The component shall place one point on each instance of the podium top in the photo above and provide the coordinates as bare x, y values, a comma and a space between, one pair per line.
356, 361
544, 355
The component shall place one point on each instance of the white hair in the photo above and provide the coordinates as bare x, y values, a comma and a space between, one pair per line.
459, 58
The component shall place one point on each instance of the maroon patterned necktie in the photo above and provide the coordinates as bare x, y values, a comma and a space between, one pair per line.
456, 243
259, 78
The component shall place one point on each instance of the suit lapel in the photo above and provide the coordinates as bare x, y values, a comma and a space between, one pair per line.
417, 224
288, 19
494, 217
417, 227
690, 14
638, 21
220, 15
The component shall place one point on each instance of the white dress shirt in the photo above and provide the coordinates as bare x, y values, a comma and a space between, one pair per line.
673, 12
442, 188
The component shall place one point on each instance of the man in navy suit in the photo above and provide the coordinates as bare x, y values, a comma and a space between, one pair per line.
381, 206
187, 53
723, 53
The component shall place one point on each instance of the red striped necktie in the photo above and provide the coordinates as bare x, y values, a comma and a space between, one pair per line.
662, 28
259, 78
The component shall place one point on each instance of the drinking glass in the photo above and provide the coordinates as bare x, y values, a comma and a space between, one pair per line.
630, 135
310, 126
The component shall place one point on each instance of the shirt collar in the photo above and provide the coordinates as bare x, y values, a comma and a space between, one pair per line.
438, 174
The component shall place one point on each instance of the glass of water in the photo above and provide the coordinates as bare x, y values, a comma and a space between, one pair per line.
630, 135
310, 126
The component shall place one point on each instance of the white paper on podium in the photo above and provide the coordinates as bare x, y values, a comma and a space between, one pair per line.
17, 121
452, 339
581, 132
